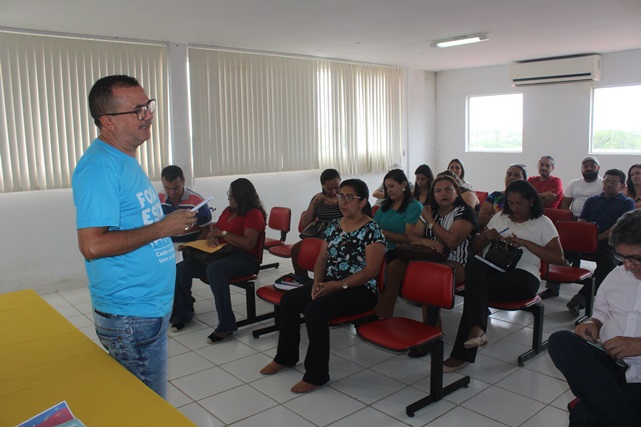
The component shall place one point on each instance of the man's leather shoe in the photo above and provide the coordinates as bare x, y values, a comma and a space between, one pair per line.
303, 387
272, 368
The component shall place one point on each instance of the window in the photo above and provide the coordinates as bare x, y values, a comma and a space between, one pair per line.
268, 113
45, 124
495, 123
616, 127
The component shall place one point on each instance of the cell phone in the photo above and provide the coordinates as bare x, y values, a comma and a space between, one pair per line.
598, 344
201, 204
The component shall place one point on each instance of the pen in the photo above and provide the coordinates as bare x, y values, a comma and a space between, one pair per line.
201, 204
503, 231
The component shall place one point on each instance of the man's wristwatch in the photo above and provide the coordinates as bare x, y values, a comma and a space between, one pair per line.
224, 233
430, 225
345, 285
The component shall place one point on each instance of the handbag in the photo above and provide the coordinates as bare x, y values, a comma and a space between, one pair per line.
502, 256
314, 229
206, 258
406, 253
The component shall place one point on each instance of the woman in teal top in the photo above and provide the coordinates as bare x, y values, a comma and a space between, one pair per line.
399, 211
396, 217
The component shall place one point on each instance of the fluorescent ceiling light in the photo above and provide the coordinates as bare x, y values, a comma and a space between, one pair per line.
460, 40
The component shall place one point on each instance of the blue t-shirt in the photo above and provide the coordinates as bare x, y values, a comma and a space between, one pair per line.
604, 212
110, 189
390, 220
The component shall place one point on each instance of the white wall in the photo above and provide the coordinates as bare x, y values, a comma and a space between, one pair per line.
38, 227
556, 120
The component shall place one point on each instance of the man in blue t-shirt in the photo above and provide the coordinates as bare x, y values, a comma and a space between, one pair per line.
123, 234
604, 210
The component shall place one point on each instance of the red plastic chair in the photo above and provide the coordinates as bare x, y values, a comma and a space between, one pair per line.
424, 283
534, 306
309, 250
248, 284
557, 215
482, 195
285, 251
279, 219
582, 237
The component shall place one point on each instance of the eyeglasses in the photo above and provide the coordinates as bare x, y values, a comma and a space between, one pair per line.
140, 112
229, 196
634, 260
611, 182
346, 197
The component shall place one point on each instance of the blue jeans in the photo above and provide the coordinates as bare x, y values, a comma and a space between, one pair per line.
218, 274
137, 343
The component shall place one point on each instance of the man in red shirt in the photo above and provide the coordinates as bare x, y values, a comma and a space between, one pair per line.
550, 188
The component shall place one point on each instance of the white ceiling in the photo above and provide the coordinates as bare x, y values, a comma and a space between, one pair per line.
394, 32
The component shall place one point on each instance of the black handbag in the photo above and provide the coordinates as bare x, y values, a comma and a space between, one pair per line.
406, 253
503, 256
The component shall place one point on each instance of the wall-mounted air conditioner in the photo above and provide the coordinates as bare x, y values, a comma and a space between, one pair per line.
556, 70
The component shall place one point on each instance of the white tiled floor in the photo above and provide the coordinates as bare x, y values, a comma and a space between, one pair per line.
219, 385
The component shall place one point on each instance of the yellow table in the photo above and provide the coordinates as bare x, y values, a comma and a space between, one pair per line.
44, 360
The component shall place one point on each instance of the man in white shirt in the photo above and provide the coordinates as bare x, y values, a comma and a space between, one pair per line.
580, 189
607, 380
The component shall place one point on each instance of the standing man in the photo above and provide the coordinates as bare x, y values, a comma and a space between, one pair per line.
604, 210
123, 234
580, 189
550, 188
608, 380
177, 196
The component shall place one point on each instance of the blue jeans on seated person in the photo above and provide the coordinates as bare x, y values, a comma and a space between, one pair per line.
137, 343
218, 274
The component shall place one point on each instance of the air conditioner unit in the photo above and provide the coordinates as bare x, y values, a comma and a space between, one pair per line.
556, 70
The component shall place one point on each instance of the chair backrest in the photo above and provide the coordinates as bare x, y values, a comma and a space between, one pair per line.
429, 283
280, 219
374, 209
380, 279
300, 222
557, 215
482, 195
578, 236
309, 251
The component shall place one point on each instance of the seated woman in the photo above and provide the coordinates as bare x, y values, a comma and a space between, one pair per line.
396, 217
633, 185
467, 194
423, 183
494, 203
323, 208
240, 225
522, 225
457, 167
344, 283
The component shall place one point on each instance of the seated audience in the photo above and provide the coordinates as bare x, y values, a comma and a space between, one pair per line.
604, 210
344, 283
240, 225
424, 179
457, 167
177, 196
633, 185
580, 189
322, 209
522, 225
601, 360
396, 217
550, 187
468, 195
494, 202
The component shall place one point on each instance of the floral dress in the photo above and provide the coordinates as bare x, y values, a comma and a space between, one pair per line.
346, 251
